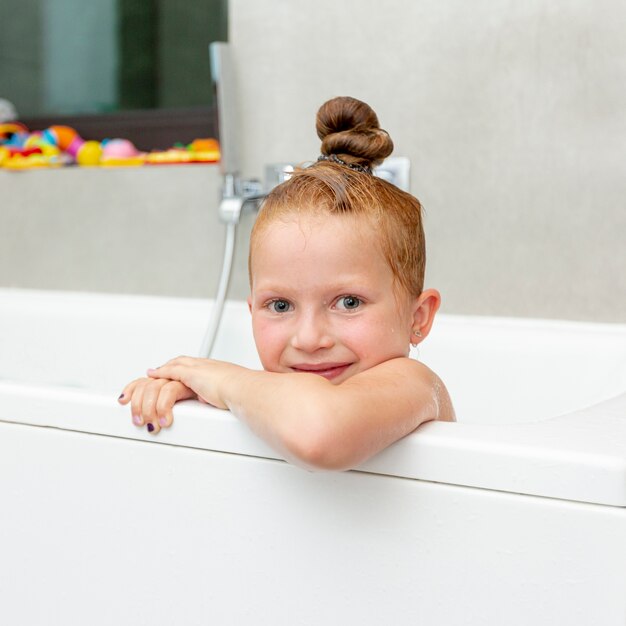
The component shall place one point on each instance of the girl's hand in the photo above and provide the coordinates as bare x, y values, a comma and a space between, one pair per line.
204, 376
152, 400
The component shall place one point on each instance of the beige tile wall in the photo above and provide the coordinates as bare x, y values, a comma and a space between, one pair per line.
152, 230
513, 115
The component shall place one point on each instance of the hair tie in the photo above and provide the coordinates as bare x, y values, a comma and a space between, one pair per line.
353, 166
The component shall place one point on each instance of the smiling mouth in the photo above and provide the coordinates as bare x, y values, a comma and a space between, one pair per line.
329, 371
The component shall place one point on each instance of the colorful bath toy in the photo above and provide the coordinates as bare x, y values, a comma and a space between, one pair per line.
174, 156
198, 151
62, 145
63, 136
37, 140
11, 128
121, 153
204, 145
119, 148
89, 153
16, 140
31, 161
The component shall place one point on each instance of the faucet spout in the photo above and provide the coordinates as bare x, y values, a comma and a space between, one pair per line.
223, 78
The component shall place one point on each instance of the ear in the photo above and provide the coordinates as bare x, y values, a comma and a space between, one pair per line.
426, 306
249, 301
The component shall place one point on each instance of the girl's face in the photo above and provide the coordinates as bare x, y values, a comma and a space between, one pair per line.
323, 299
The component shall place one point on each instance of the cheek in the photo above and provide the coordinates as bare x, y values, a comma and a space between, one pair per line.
377, 340
362, 337
269, 341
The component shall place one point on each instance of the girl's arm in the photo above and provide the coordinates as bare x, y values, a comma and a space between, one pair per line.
311, 421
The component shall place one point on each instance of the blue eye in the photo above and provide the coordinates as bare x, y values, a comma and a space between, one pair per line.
349, 303
279, 306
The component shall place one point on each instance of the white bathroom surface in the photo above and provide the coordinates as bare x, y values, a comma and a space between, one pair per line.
541, 405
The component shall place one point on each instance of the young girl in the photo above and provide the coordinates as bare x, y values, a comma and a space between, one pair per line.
336, 277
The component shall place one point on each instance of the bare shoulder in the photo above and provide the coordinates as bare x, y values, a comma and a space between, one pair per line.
444, 402
406, 376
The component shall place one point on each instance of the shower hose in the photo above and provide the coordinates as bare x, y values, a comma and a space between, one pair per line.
208, 343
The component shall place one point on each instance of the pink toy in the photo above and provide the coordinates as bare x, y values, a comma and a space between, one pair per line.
75, 145
119, 149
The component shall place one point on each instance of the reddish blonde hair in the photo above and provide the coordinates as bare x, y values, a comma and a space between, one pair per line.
350, 133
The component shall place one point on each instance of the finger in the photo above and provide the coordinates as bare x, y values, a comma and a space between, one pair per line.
151, 392
171, 372
153, 428
166, 401
127, 392
179, 362
136, 400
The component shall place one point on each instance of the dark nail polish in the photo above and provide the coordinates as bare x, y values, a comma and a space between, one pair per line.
121, 396
150, 427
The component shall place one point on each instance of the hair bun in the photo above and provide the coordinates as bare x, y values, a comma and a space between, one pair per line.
350, 130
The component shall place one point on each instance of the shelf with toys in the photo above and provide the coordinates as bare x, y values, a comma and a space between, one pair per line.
58, 146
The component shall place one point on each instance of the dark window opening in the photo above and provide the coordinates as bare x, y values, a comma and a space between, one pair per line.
137, 69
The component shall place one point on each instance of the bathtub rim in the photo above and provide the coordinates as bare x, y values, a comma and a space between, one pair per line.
580, 456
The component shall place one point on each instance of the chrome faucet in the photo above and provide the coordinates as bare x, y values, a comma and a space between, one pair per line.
235, 192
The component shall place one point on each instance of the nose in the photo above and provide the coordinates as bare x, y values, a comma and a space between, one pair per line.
312, 333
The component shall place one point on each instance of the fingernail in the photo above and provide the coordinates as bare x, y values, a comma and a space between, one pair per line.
121, 396
150, 427
137, 420
163, 421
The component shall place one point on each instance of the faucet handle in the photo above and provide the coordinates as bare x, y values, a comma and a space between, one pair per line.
277, 173
231, 206
251, 187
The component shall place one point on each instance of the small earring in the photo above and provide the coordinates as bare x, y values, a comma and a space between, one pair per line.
417, 333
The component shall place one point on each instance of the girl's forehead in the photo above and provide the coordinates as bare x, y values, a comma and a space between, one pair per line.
319, 242
317, 250
358, 228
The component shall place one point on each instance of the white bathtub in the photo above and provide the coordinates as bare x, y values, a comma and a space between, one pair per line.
514, 515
